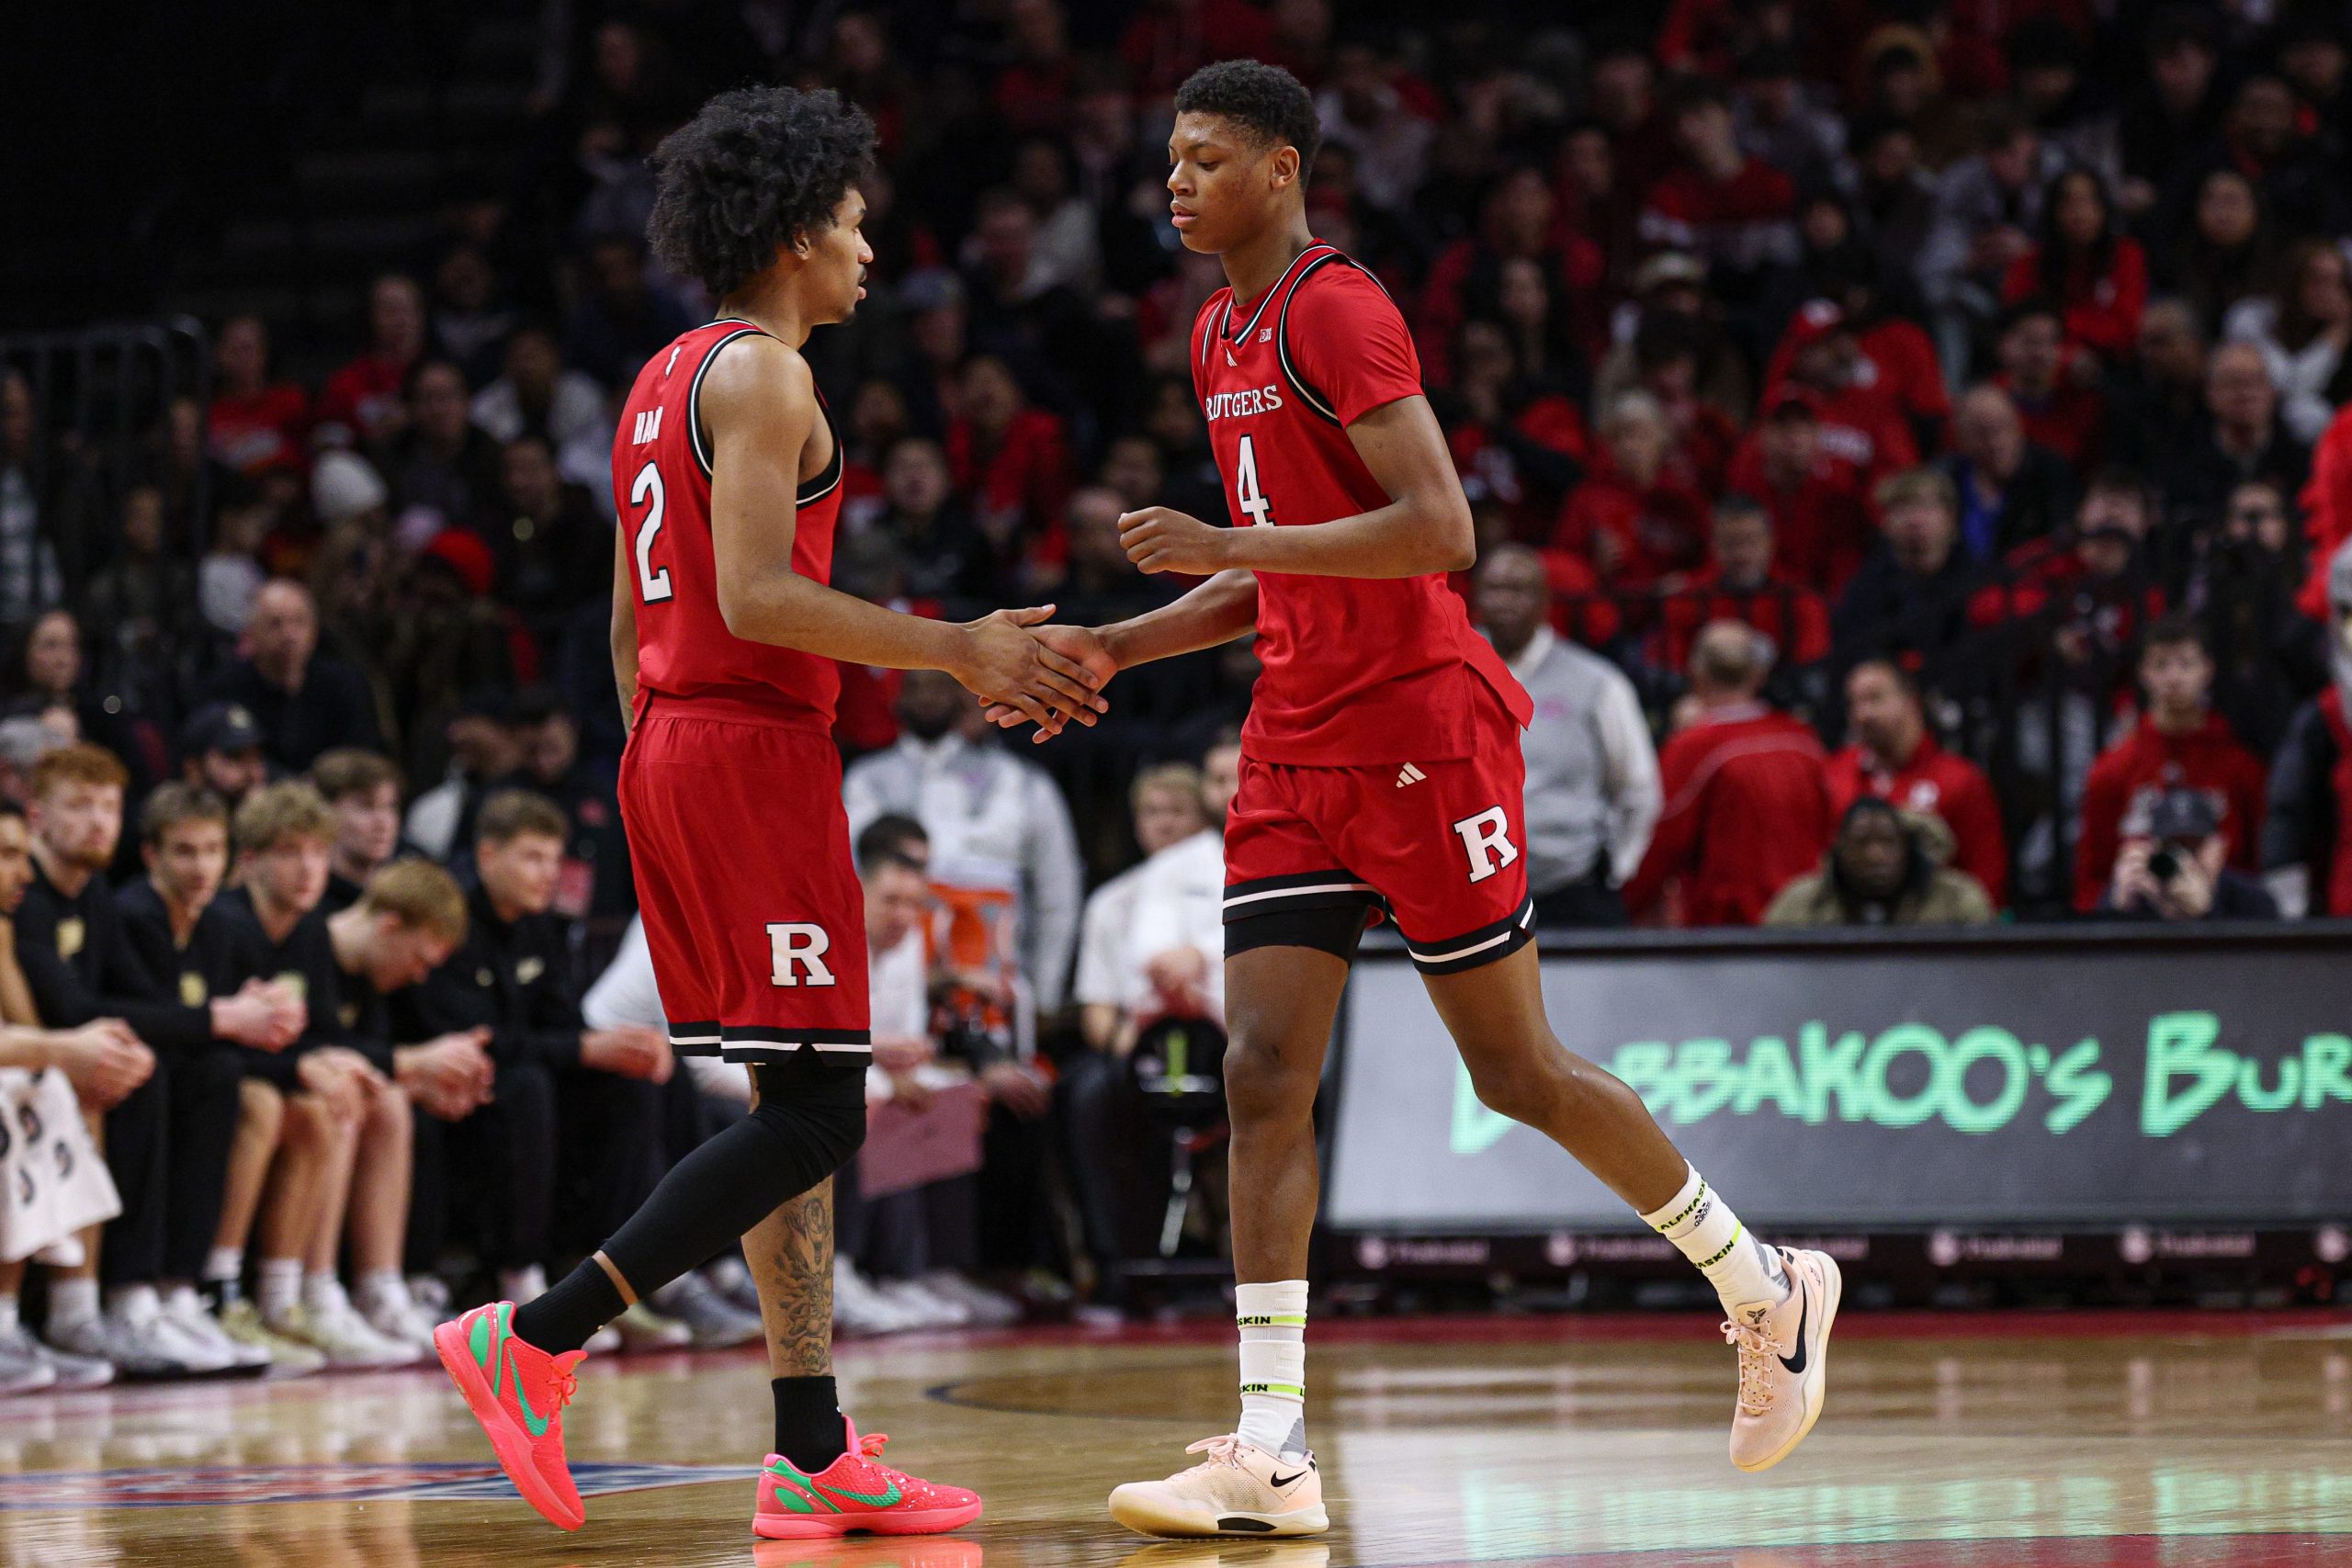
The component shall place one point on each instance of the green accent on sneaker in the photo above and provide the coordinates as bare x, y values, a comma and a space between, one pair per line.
800, 1492
533, 1421
485, 1348
871, 1499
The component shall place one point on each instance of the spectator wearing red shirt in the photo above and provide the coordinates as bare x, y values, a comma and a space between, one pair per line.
1519, 220
1893, 757
257, 425
1821, 524
365, 403
1667, 348
2327, 510
1011, 461
1746, 798
2084, 580
1520, 446
1894, 358
2179, 743
1631, 518
1736, 212
1742, 584
1862, 428
2098, 277
2058, 400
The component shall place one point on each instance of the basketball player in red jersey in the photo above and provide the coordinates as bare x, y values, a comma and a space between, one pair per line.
727, 473
1381, 776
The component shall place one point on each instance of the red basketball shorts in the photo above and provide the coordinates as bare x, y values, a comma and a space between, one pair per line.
751, 904
1437, 846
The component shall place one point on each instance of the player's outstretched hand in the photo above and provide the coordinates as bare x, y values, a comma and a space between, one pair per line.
1083, 646
1006, 662
1158, 539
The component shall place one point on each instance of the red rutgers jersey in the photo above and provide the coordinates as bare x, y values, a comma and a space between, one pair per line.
1357, 671
661, 487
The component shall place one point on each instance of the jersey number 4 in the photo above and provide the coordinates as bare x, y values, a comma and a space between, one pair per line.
651, 585
1254, 504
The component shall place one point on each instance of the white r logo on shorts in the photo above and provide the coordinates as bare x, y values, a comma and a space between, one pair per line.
1485, 838
796, 948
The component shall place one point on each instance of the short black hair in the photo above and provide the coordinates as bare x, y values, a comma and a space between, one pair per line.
1265, 100
889, 837
756, 169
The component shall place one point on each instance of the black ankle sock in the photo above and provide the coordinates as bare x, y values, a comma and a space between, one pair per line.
573, 1308
810, 1429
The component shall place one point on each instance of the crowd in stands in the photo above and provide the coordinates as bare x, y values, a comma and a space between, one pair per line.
1908, 447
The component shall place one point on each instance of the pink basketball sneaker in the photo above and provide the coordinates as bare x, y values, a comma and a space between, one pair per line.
856, 1492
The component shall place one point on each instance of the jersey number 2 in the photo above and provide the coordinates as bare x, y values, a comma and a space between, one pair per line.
1254, 504
651, 585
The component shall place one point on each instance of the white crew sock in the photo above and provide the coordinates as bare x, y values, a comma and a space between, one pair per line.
520, 1285
134, 1304
1273, 1321
224, 1264
1742, 1268
381, 1287
8, 1313
323, 1292
181, 1301
72, 1301
277, 1287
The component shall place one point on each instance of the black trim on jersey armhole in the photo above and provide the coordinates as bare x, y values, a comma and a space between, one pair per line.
1310, 394
824, 484
694, 394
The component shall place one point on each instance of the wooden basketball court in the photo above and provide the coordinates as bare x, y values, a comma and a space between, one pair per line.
2221, 1440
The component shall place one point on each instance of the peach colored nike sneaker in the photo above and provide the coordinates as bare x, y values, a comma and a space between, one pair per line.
856, 1492
518, 1392
1783, 1360
1238, 1490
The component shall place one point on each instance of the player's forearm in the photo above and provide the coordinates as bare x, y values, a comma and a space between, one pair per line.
624, 643
1410, 536
1216, 612
24, 1047
787, 610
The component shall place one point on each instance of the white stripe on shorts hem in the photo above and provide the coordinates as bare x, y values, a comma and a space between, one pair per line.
1301, 892
1502, 936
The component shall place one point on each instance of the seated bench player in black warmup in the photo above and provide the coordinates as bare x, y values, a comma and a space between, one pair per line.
167, 1142
408, 919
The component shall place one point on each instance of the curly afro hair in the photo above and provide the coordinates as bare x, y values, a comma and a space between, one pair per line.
1265, 100
756, 169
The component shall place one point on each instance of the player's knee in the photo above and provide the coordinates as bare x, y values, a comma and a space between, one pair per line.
261, 1111
826, 1118
386, 1115
1517, 1085
308, 1123
1262, 1081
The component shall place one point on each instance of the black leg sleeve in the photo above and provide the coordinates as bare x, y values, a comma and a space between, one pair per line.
804, 1129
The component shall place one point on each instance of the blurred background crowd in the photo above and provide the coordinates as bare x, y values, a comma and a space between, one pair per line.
1905, 436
